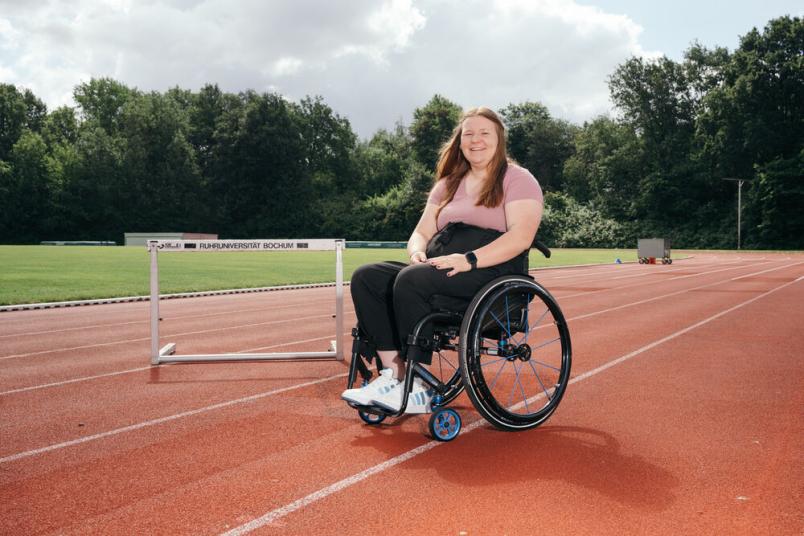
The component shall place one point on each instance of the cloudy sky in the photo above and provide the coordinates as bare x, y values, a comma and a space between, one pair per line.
373, 61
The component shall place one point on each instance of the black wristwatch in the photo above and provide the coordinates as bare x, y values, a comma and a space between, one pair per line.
471, 258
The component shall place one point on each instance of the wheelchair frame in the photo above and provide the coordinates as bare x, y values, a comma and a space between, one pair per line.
469, 329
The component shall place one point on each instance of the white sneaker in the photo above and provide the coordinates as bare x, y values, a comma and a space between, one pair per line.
364, 395
419, 400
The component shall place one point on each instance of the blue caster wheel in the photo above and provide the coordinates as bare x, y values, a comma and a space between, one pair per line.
445, 424
371, 418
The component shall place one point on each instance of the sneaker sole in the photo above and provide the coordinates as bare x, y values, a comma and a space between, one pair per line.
358, 402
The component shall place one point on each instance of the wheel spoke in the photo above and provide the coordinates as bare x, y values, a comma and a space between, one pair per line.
508, 333
539, 379
525, 333
513, 388
528, 327
493, 383
538, 321
522, 389
542, 363
507, 316
492, 362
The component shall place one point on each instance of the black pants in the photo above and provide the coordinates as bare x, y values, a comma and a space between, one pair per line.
390, 297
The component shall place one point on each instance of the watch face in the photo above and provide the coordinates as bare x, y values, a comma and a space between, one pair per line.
472, 258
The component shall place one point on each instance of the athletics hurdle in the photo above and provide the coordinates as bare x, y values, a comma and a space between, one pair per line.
166, 353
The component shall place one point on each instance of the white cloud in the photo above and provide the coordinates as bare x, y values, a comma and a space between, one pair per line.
372, 61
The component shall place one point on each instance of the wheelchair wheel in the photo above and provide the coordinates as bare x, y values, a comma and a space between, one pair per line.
515, 353
445, 424
371, 418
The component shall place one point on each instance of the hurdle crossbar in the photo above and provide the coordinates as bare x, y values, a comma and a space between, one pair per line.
166, 354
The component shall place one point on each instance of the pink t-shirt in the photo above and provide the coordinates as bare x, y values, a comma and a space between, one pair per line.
517, 184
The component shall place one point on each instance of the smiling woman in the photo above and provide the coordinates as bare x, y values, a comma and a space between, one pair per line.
478, 224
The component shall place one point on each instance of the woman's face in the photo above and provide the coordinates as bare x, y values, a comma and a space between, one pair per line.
478, 140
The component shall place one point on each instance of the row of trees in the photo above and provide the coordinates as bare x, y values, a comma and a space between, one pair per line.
256, 165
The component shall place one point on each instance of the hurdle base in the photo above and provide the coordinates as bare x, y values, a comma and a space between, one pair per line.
278, 356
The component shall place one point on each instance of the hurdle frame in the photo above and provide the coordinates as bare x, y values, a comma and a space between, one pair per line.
166, 354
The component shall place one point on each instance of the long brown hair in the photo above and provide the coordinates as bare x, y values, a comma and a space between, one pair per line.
453, 166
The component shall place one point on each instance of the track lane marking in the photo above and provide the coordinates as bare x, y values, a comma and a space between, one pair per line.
128, 371
648, 300
142, 339
117, 324
228, 403
283, 511
652, 282
580, 317
181, 334
154, 422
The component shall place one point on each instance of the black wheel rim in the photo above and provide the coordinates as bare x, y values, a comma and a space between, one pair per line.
518, 355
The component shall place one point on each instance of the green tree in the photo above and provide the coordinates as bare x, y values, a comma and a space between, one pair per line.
394, 214
161, 182
539, 142
92, 200
606, 167
432, 126
60, 126
752, 127
382, 160
776, 220
101, 100
659, 103
24, 185
260, 183
328, 142
19, 110
569, 224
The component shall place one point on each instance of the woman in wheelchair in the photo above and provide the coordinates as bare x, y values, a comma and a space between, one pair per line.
477, 226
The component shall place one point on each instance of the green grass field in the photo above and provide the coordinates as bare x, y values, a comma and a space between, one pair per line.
36, 274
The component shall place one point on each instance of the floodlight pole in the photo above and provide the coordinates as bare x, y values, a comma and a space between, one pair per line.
739, 203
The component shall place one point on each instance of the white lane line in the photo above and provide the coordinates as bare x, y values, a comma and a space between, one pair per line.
651, 282
85, 347
74, 380
178, 317
278, 513
87, 378
729, 266
161, 420
580, 317
78, 328
648, 300
171, 335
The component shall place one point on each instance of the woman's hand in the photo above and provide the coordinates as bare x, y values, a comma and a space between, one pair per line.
455, 263
418, 257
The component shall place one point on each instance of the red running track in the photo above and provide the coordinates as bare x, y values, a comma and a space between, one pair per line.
684, 416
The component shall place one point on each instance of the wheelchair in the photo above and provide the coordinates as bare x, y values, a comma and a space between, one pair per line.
508, 347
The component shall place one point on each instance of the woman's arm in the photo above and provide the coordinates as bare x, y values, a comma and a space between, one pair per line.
523, 217
424, 231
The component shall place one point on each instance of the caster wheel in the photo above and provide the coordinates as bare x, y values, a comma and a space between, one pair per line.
669, 261
445, 424
371, 418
